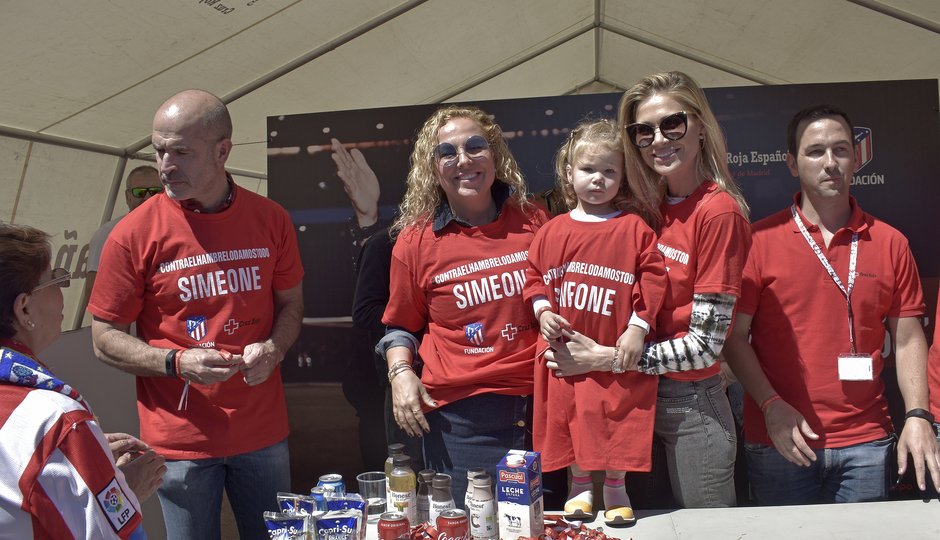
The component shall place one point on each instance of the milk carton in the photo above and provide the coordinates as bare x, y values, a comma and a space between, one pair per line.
519, 495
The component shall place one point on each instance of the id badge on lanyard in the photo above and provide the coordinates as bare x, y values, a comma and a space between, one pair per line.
852, 365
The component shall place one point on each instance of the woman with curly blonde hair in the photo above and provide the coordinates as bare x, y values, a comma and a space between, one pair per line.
425, 193
457, 272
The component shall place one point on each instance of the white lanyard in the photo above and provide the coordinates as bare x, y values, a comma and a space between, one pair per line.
825, 262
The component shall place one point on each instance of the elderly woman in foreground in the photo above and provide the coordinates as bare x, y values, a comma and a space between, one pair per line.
58, 477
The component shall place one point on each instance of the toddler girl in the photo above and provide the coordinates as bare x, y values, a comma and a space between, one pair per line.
587, 269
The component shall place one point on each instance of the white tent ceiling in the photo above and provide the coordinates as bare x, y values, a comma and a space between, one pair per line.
96, 70
91, 73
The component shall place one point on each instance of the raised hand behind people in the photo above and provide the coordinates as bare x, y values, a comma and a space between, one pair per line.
359, 181
123, 443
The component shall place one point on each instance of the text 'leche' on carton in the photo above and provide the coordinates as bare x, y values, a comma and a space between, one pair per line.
519, 495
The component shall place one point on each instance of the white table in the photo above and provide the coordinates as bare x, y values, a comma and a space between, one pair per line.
896, 520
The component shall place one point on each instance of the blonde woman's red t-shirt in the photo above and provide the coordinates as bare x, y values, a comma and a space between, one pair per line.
704, 240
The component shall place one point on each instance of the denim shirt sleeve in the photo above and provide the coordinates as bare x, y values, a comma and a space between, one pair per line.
397, 337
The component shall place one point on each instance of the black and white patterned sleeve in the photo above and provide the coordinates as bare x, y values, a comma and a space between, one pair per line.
709, 325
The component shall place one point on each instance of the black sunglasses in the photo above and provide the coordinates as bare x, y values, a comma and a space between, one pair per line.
672, 127
446, 155
141, 192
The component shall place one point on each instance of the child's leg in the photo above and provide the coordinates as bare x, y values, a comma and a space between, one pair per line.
615, 492
580, 481
581, 495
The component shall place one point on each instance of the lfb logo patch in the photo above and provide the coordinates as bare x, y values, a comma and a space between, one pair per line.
863, 142
475, 333
115, 505
197, 327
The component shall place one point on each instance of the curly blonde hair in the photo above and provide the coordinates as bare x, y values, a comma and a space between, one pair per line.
595, 137
424, 193
713, 162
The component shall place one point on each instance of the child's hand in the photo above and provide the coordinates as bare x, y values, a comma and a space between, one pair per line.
551, 324
630, 347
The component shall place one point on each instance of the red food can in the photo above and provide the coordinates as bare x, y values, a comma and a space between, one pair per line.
393, 525
453, 525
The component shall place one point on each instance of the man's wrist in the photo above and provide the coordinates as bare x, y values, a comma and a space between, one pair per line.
170, 363
275, 350
920, 413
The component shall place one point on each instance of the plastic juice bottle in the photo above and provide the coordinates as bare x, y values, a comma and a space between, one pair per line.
441, 497
396, 449
423, 510
401, 485
482, 510
471, 472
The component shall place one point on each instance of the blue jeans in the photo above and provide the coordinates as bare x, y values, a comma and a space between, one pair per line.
857, 473
474, 432
191, 494
696, 427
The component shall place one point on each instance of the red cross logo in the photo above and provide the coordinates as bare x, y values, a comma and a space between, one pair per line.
510, 332
230, 326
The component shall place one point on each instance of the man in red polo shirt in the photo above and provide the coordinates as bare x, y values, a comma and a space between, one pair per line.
820, 279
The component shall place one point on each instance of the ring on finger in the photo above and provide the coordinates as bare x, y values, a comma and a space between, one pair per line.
416, 411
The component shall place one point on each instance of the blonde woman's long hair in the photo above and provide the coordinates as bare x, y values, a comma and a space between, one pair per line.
424, 193
713, 155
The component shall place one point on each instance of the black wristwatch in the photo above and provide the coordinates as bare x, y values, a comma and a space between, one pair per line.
920, 413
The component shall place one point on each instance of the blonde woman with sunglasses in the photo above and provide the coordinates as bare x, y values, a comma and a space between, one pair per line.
675, 158
676, 150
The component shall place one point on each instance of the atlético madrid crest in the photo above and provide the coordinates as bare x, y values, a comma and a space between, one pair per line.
197, 327
863, 142
475, 333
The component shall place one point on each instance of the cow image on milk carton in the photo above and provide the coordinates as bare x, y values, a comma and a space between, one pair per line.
519, 495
